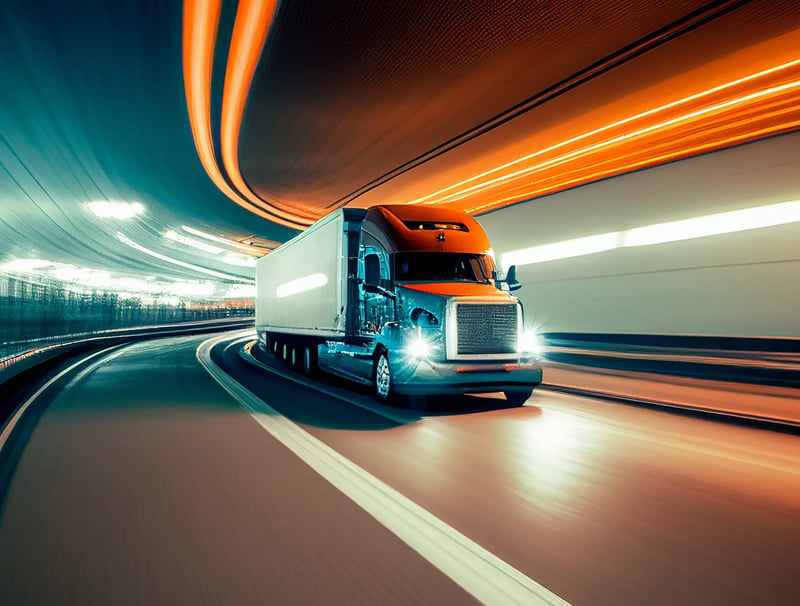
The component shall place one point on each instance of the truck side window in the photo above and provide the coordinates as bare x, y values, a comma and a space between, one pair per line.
377, 309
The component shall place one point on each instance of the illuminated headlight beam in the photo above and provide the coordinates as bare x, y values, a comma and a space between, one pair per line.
418, 348
303, 284
529, 342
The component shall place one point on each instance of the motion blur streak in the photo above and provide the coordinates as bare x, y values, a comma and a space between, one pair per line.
253, 20
707, 120
200, 23
685, 229
126, 240
248, 248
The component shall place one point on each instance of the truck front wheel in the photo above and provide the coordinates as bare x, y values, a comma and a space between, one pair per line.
382, 378
518, 397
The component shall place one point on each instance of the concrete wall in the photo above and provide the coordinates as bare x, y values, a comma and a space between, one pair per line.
745, 283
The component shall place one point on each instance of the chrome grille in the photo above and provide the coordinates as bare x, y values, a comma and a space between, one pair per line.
486, 328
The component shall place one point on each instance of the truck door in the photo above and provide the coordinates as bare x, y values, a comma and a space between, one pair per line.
377, 308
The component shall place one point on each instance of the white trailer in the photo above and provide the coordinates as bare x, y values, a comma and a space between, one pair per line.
405, 298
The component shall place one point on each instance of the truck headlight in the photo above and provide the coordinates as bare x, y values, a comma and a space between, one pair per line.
418, 348
529, 342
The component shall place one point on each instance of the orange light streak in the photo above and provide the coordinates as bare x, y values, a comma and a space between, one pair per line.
253, 20
625, 138
562, 181
463, 190
200, 24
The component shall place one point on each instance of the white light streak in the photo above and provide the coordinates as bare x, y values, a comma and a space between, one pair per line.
239, 260
26, 265
660, 233
109, 209
303, 284
85, 279
562, 250
126, 240
241, 291
712, 225
192, 288
181, 239
248, 247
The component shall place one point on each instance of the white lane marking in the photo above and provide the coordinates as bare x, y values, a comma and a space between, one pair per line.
14, 420
476, 570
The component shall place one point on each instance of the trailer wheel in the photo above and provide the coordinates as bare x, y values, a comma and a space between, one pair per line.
309, 360
518, 397
382, 378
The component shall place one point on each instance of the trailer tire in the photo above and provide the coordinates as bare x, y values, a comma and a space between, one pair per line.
310, 360
382, 378
518, 397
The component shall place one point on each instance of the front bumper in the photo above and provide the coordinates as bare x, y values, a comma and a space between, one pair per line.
428, 377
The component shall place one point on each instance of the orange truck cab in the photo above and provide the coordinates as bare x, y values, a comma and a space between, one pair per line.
404, 298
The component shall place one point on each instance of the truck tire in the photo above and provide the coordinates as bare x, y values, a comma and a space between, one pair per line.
382, 378
309, 360
518, 397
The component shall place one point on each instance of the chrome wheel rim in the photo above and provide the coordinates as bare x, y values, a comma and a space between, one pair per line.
383, 378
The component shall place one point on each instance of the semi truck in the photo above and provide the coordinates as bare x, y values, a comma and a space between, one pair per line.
404, 298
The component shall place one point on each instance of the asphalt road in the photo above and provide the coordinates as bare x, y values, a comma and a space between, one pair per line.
144, 482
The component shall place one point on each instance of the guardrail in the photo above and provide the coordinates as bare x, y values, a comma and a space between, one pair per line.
47, 349
752, 378
752, 360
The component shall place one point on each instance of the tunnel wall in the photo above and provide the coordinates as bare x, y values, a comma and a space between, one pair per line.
737, 284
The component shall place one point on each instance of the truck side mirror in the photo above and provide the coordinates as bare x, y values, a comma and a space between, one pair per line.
511, 279
372, 270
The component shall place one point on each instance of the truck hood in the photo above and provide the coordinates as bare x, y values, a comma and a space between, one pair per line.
457, 289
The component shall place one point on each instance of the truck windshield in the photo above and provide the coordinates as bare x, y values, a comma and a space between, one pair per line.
440, 267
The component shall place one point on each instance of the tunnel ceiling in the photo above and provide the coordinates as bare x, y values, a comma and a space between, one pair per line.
249, 123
